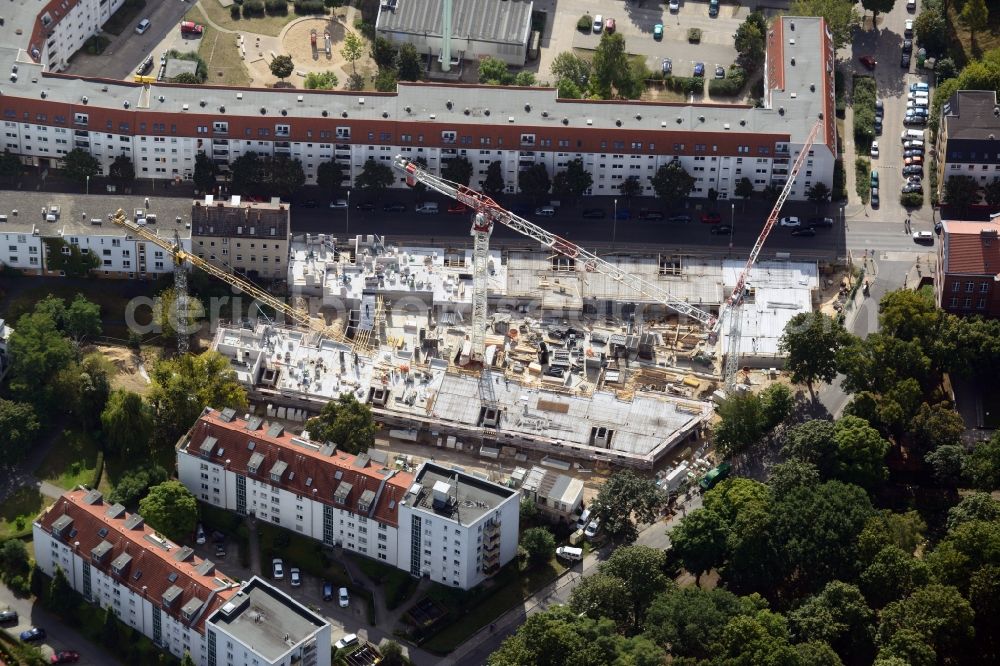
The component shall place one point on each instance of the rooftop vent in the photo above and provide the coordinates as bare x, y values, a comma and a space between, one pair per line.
510, 119
239, 95
638, 116
486, 112
44, 94
407, 109
325, 113
104, 89
679, 120
161, 98
385, 114
85, 99
791, 25
743, 123
590, 121
184, 107
222, 109
545, 114
126, 104
343, 114
820, 115
263, 111
701, 118
284, 112
527, 108
996, 110
448, 104
467, 111
299, 98
565, 121
203, 104
812, 87
618, 123
361, 101
781, 110
991, 137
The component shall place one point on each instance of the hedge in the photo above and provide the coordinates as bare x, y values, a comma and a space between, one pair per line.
310, 7
253, 8
724, 88
863, 178
685, 84
838, 85
276, 7
864, 112
95, 481
911, 199
585, 24
839, 181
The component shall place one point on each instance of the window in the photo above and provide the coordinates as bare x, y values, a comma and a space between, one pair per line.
969, 287
282, 130
220, 127
448, 137
984, 287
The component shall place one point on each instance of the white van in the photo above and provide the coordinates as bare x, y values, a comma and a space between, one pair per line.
570, 553
911, 145
427, 208
584, 519
912, 135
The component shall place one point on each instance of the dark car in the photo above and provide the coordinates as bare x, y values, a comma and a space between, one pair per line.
804, 231
907, 45
646, 214
667, 66
394, 207
327, 591
594, 214
913, 151
713, 8
820, 221
9, 615
366, 205
711, 217
913, 188
33, 634
721, 229
679, 218
64, 657
623, 214
699, 69
913, 169
937, 228
220, 551
878, 126
904, 60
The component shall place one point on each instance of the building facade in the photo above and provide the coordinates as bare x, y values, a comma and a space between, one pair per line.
355, 502
969, 257
162, 127
969, 136
159, 588
62, 27
558, 496
250, 238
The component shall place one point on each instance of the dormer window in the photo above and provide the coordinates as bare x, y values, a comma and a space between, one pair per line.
448, 137
282, 130
527, 139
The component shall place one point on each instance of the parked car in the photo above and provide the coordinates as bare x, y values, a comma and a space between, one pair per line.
598, 24
908, 28
623, 214
609, 25
714, 476
33, 634
919, 87
64, 657
366, 206
874, 178
191, 28
342, 597
904, 60
879, 107
916, 159
875, 199
658, 31
570, 553
675, 5
924, 237
394, 207
821, 222
426, 208
647, 214
913, 169
713, 8
720, 72
200, 537
874, 151
220, 551
907, 45
913, 188
911, 5
8, 616
721, 229
679, 218
143, 26
278, 569
878, 126
804, 231
347, 640
868, 61
594, 214
327, 591
790, 222
699, 69
667, 66
543, 211
711, 217
338, 203
144, 66
937, 227
295, 577
593, 527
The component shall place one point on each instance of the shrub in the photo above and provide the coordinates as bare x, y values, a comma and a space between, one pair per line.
737, 74
276, 7
724, 88
310, 7
864, 112
585, 24
253, 8
96, 44
234, 12
19, 586
694, 35
685, 84
911, 199
863, 178
839, 181
838, 85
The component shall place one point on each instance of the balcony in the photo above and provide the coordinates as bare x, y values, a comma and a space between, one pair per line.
282, 147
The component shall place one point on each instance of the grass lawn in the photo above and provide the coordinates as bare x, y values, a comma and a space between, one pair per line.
125, 17
218, 50
71, 461
265, 25
473, 610
985, 40
18, 511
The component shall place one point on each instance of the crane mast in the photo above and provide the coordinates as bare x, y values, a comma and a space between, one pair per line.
734, 309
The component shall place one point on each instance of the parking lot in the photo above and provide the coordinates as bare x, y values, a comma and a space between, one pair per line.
635, 21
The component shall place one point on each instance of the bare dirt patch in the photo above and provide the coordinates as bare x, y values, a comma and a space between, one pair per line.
297, 42
126, 361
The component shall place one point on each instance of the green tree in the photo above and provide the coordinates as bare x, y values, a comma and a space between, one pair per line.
493, 185
205, 173
744, 189
10, 165
762, 638
861, 452
383, 52
975, 16
188, 78
931, 31
811, 341
170, 509
640, 568
345, 422
838, 616
534, 181
287, 175
813, 442
20, 426
671, 182
122, 169
699, 542
566, 89
527, 510
741, 422
170, 315
602, 595
38, 353
937, 613
128, 423
777, 404
892, 575
183, 386
876, 7
961, 192
14, 560
374, 177
690, 619
525, 79
539, 543
133, 485
841, 17
408, 63
110, 630
38, 586
984, 597
886, 528
991, 192
188, 661
458, 170
82, 318
935, 426
569, 66
910, 315
86, 387
750, 42
282, 66
630, 187
352, 50
610, 66
61, 595
321, 81
392, 654
819, 193
246, 173
622, 497
947, 463
573, 181
792, 474
978, 506
983, 465
386, 80
881, 364
78, 165
494, 72
909, 648
330, 177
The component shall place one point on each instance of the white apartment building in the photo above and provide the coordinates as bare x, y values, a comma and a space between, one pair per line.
181, 602
455, 528
163, 127
52, 32
357, 502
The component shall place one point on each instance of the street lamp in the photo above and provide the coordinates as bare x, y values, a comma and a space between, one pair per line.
732, 221
348, 229
88, 184
614, 225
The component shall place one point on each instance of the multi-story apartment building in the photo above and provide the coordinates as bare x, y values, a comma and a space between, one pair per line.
52, 32
162, 127
249, 238
181, 602
455, 528
339, 499
969, 136
969, 259
41, 232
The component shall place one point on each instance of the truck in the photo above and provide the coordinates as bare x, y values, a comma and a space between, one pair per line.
191, 28
714, 475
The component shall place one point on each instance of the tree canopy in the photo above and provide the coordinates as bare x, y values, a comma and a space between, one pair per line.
20, 426
573, 181
671, 182
171, 509
811, 341
282, 66
623, 496
128, 423
375, 177
345, 422
78, 165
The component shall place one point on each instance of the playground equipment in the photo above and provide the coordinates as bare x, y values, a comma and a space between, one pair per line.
329, 43
312, 39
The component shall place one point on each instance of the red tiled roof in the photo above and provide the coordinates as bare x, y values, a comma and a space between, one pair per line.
971, 248
57, 10
309, 472
156, 563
